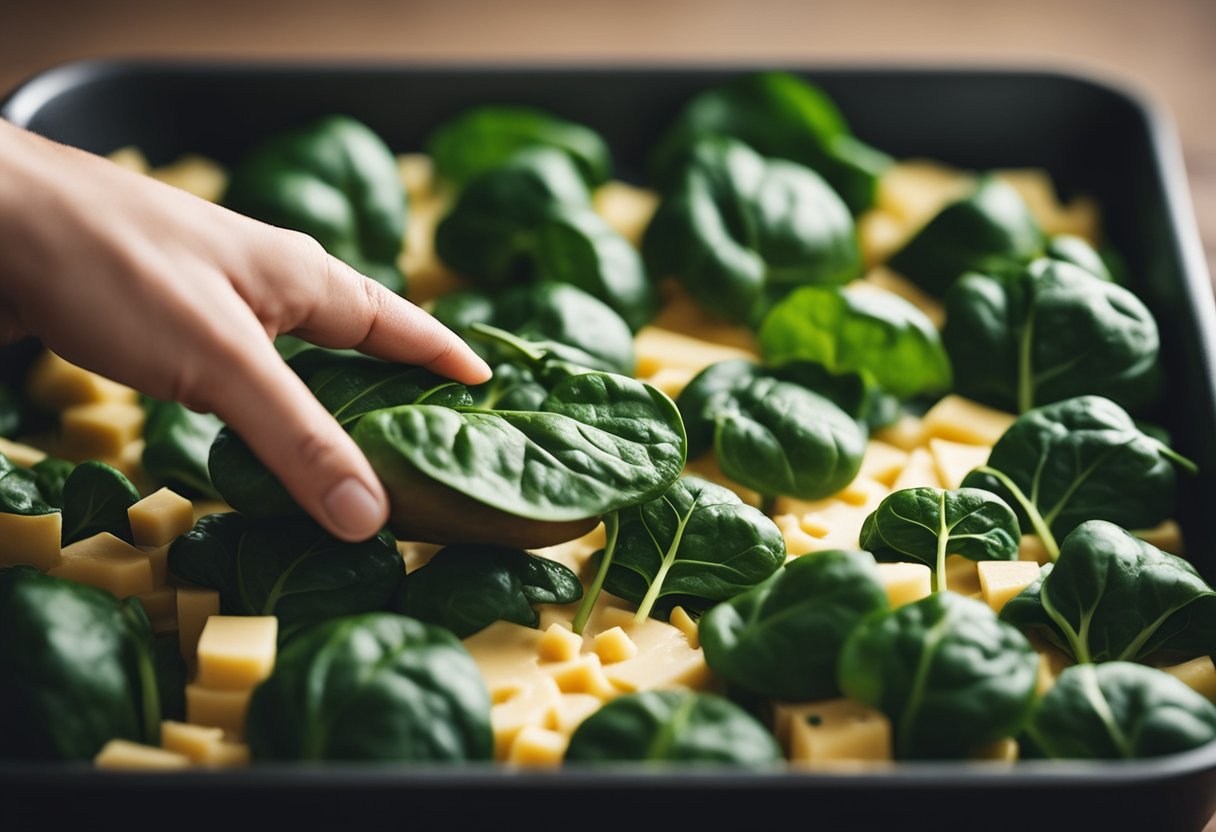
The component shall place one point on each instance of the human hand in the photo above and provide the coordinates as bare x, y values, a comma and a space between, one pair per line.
180, 299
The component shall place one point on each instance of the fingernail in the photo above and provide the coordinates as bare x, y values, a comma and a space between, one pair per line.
481, 370
353, 510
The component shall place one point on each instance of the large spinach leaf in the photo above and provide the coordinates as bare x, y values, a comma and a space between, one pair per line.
877, 334
950, 676
487, 137
1048, 332
1114, 597
669, 727
377, 686
177, 442
95, 499
468, 588
21, 491
51, 473
289, 568
782, 116
1120, 711
740, 231
927, 524
1076, 460
782, 638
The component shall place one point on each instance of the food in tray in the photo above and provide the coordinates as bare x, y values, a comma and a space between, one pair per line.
795, 454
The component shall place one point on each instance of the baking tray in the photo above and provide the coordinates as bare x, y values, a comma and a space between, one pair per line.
1094, 138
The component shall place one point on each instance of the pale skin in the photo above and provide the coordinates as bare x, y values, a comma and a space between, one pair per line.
180, 298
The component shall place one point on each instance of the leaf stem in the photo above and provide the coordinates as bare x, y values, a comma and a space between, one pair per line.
943, 536
1025, 370
612, 525
656, 585
1032, 512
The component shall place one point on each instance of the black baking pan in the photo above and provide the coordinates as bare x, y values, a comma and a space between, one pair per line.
1093, 138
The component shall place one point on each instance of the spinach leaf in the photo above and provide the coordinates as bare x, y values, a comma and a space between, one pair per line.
335, 180
1113, 597
565, 320
1076, 460
877, 334
21, 492
740, 231
782, 638
376, 686
468, 588
51, 473
77, 669
1066, 248
698, 542
95, 499
530, 220
177, 442
987, 231
1048, 332
1120, 711
289, 568
487, 137
600, 442
950, 676
782, 116
927, 524
672, 726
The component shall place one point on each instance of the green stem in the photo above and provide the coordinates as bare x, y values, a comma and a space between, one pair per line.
1025, 370
656, 586
943, 536
1032, 511
612, 525
150, 696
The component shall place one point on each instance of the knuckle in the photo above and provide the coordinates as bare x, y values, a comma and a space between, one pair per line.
315, 450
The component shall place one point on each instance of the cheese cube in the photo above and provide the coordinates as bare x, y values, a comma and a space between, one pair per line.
26, 456
1166, 536
962, 576
658, 349
536, 747
962, 420
1198, 674
132, 756
158, 556
839, 729
160, 517
681, 315
196, 175
583, 675
54, 384
570, 711
236, 652
131, 158
161, 606
916, 190
106, 562
919, 472
1031, 549
664, 666
671, 380
905, 582
955, 460
627, 208
417, 174
559, 644
223, 709
614, 645
1001, 580
1052, 662
194, 607
883, 462
880, 235
100, 429
203, 745
906, 433
528, 704
683, 622
31, 540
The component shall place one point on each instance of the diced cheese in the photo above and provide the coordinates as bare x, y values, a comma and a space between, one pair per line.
627, 208
706, 467
671, 380
132, 756
1004, 751
203, 508
160, 517
559, 644
196, 175
1032, 549
161, 606
537, 747
882, 462
1034, 185
26, 456
416, 555
1052, 662
906, 433
683, 315
1198, 674
582, 675
905, 582
1001, 580
204, 746
916, 190
101, 429
194, 607
614, 645
1166, 536
529, 704
955, 460
236, 652
839, 729
429, 277
54, 384
576, 554
833, 523
962, 420
919, 472
224, 709
417, 174
880, 235
682, 621
570, 711
107, 562
658, 349
961, 576
158, 556
31, 540
666, 663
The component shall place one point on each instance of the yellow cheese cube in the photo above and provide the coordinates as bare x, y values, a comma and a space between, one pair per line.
906, 433
663, 666
570, 711
101, 429
529, 704
54, 384
834, 523
1166, 536
962, 576
839, 729
205, 746
26, 456
429, 277
1001, 580
223, 709
107, 562
683, 315
31, 540
417, 174
627, 208
919, 472
1032, 549
955, 460
1034, 185
203, 508
193, 174
614, 645
559, 644
880, 235
161, 606
160, 517
583, 675
882, 462
684, 622
194, 607
158, 556
131, 158
905, 582
1052, 662
1198, 674
236, 652
671, 380
916, 190
537, 747
659, 349
1003, 751
132, 756
962, 420
706, 467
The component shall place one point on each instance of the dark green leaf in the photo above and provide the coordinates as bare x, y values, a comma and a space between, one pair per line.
95, 499
177, 442
1069, 249
20, 492
51, 473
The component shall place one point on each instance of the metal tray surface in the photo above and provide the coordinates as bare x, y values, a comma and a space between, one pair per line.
1092, 137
